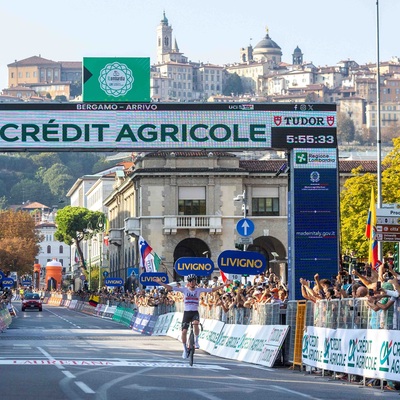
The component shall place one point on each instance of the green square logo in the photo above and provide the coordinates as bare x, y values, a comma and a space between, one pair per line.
301, 158
116, 79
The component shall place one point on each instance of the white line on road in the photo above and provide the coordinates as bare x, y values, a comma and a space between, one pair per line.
69, 374
307, 396
50, 357
64, 319
84, 387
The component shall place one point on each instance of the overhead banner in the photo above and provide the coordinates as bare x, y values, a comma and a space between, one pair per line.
162, 126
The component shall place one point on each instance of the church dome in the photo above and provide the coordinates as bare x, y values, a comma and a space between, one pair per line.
297, 51
266, 50
266, 44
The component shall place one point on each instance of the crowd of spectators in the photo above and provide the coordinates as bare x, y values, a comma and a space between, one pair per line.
262, 289
377, 290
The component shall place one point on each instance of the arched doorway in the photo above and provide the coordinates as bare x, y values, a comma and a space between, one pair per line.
191, 247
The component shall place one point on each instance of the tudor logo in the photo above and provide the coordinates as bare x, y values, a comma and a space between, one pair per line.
330, 120
277, 120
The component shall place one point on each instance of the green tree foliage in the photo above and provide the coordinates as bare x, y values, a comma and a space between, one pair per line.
345, 129
354, 205
355, 201
75, 224
233, 85
45, 177
19, 241
391, 174
30, 189
57, 178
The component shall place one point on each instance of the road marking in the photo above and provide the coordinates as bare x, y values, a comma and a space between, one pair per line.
84, 387
104, 363
64, 319
69, 374
307, 396
51, 359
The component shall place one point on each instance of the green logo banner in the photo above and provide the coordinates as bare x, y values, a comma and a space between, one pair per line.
116, 79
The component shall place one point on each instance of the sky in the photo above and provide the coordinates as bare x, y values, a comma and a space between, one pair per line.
206, 30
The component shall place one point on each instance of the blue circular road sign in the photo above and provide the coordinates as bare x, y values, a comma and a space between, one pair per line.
245, 227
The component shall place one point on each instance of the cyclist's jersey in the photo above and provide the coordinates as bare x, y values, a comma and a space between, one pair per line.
191, 297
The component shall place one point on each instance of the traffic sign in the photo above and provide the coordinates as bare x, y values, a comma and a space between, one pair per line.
245, 227
105, 274
388, 236
8, 282
245, 240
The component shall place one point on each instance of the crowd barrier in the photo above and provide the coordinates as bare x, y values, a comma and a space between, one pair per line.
336, 335
5, 317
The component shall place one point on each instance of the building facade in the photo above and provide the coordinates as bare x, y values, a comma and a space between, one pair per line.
182, 204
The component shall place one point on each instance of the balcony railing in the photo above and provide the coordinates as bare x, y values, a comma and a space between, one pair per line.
173, 223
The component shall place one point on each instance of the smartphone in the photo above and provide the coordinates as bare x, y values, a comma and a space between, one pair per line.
371, 292
378, 285
369, 272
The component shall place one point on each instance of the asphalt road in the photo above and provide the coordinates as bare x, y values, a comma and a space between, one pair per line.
62, 354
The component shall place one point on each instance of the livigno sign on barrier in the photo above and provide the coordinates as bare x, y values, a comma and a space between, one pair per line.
116, 79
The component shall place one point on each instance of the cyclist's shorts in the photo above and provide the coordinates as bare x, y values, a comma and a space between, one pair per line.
188, 317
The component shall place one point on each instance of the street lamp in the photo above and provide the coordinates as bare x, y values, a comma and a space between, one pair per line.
243, 199
100, 228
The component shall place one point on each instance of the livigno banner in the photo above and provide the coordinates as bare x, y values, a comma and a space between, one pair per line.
116, 79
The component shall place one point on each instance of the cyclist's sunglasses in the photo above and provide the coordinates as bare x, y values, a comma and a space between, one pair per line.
191, 280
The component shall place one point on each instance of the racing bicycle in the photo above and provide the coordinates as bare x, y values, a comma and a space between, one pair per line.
190, 344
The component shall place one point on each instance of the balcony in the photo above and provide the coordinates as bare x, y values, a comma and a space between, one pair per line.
174, 223
115, 237
132, 226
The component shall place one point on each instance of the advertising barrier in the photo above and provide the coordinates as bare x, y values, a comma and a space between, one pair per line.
353, 351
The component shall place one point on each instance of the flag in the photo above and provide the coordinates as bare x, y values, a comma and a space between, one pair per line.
370, 233
76, 256
149, 261
223, 276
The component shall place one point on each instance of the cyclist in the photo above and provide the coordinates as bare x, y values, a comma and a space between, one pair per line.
191, 296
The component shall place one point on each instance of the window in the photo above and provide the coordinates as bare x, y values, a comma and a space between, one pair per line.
192, 200
265, 206
61, 249
48, 249
265, 201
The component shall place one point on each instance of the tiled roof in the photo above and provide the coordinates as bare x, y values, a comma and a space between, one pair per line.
35, 60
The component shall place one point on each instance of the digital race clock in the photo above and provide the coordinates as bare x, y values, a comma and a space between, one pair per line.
293, 138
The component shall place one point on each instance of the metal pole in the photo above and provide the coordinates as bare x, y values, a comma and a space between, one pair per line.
378, 123
244, 212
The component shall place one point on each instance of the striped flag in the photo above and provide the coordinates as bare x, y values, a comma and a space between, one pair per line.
370, 233
149, 261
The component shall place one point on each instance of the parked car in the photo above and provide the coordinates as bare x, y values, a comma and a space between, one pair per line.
31, 301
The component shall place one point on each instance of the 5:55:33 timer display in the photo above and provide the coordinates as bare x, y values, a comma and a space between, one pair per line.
298, 137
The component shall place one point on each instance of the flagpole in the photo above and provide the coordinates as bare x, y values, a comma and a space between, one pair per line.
378, 123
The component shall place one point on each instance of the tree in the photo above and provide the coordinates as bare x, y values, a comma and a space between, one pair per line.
57, 177
19, 241
355, 200
233, 85
390, 174
75, 224
346, 128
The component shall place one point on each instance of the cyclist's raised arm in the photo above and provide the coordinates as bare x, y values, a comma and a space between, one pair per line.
226, 284
158, 280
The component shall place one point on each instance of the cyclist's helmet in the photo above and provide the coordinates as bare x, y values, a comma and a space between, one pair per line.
191, 277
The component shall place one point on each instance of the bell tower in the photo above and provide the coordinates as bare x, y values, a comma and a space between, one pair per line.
164, 39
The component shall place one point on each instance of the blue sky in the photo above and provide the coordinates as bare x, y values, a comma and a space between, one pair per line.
206, 30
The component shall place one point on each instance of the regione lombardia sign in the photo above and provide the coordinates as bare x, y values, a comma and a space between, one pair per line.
116, 79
